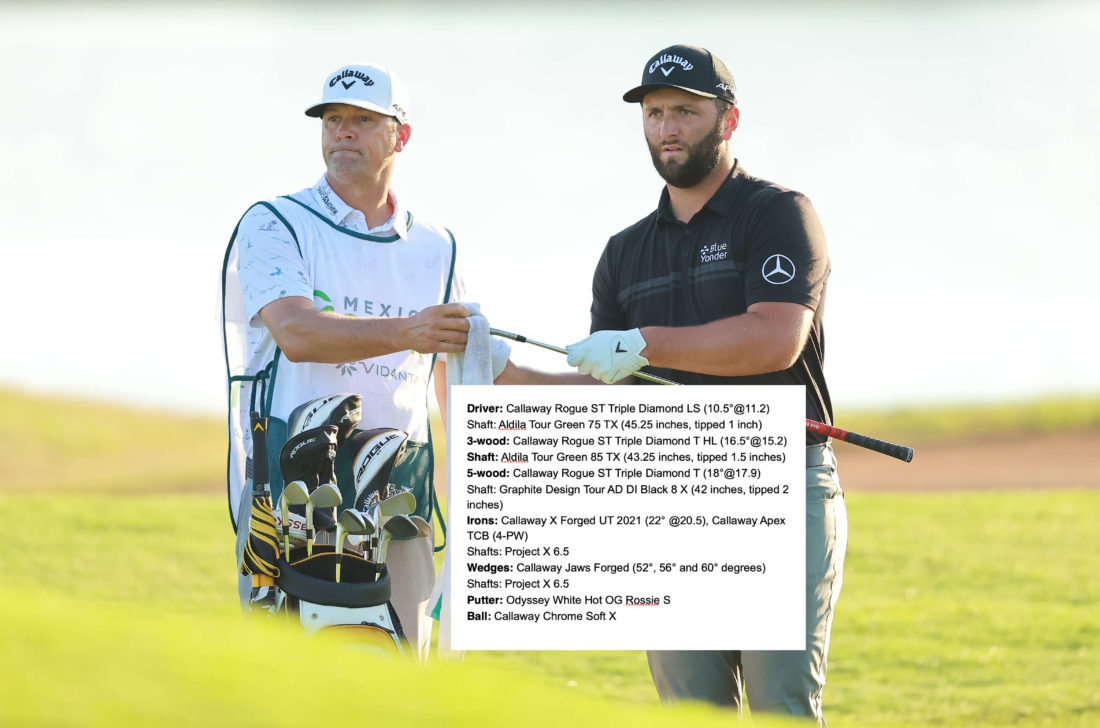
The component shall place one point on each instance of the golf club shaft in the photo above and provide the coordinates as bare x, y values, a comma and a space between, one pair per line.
309, 528
284, 517
524, 340
901, 452
339, 549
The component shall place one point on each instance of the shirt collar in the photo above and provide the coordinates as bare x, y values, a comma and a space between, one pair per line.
719, 201
344, 215
330, 204
399, 223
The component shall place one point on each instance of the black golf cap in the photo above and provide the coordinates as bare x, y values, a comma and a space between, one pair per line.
689, 68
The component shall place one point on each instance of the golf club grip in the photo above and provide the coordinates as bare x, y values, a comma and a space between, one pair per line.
901, 452
260, 476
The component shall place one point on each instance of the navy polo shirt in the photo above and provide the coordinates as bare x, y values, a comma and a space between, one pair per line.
753, 241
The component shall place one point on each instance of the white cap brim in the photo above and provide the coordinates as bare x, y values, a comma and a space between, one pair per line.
317, 109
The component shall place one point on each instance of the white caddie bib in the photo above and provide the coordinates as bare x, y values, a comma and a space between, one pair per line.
343, 271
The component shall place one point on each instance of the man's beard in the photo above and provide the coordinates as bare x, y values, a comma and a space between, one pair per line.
702, 158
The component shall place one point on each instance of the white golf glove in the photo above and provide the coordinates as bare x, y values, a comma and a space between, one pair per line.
609, 355
499, 351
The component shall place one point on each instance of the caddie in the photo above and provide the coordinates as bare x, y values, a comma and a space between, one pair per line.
340, 287
724, 283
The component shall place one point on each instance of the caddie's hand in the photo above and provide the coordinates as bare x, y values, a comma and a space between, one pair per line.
609, 355
441, 328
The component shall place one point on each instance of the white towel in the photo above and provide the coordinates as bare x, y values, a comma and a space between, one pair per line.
475, 366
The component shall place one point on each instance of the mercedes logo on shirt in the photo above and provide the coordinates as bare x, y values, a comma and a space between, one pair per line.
778, 269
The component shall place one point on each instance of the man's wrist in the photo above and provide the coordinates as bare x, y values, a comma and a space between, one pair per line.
396, 333
652, 336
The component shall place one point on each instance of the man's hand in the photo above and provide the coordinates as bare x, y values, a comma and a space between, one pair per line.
609, 355
441, 328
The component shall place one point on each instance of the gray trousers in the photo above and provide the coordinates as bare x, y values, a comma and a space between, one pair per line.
790, 681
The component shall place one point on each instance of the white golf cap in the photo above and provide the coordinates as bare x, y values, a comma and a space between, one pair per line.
367, 86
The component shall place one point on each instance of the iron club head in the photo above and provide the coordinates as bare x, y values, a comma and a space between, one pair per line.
326, 496
349, 522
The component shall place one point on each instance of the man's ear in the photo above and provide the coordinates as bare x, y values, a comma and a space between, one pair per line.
732, 117
404, 131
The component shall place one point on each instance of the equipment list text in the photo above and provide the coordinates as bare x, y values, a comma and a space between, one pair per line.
627, 518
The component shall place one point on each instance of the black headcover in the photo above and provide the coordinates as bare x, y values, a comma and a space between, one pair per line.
310, 457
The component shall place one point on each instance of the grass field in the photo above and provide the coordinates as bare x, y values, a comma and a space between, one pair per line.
931, 424
958, 609
962, 609
60, 443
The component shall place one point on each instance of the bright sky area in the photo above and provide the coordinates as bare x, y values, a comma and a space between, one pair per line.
951, 152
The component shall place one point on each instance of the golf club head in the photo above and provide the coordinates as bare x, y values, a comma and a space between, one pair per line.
399, 504
401, 527
355, 523
340, 410
326, 496
375, 453
324, 499
423, 528
295, 493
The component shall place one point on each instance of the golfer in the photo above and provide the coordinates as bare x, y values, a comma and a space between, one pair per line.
724, 283
343, 289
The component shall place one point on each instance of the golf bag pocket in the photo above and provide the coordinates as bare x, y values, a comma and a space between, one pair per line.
356, 610
416, 473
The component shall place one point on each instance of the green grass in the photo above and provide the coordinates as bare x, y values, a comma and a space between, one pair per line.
72, 664
958, 609
64, 443
970, 609
951, 422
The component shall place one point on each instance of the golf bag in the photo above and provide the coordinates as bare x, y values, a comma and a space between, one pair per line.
326, 587
261, 380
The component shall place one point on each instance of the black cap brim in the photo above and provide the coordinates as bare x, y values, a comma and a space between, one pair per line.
636, 94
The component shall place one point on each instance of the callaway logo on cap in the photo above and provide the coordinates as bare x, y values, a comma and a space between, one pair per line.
367, 86
688, 68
